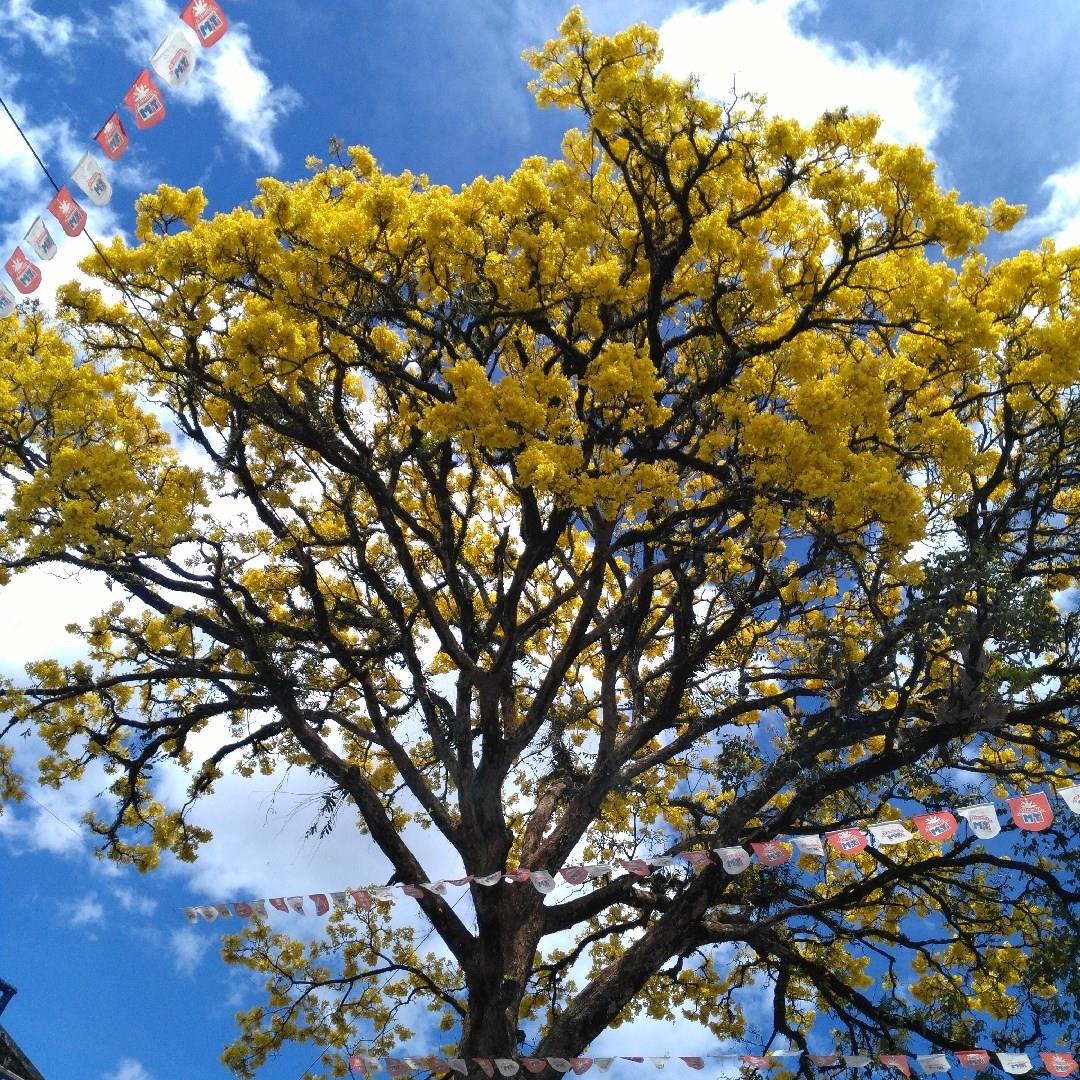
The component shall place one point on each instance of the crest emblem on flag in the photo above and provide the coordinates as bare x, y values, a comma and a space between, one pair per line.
145, 101
973, 1059
207, 19
733, 859
847, 841
937, 828
1057, 1063
1017, 1064
772, 853
112, 138
89, 176
810, 845
574, 875
890, 832
697, 858
982, 819
174, 59
68, 212
1070, 796
896, 1061
1031, 812
23, 272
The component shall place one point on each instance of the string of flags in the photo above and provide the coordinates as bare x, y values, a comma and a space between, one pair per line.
1056, 1062
202, 22
1030, 813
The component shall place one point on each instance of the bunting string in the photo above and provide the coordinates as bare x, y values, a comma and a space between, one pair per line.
1055, 1062
1029, 813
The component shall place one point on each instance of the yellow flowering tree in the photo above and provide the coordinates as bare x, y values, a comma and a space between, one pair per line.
704, 486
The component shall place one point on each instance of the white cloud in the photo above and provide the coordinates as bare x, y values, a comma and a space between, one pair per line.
51, 34
1061, 218
230, 74
86, 912
128, 1069
761, 46
188, 948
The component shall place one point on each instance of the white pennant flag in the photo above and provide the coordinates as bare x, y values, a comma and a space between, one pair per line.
1070, 796
90, 176
559, 1064
1016, 1064
436, 887
40, 239
8, 304
890, 832
662, 860
542, 881
734, 859
341, 900
458, 1065
191, 913
982, 819
599, 869
174, 60
489, 879
507, 1066
660, 1062
932, 1063
855, 1061
603, 1063
810, 845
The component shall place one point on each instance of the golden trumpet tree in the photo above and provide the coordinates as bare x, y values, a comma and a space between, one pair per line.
703, 486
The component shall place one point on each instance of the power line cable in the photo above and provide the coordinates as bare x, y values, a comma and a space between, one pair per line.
97, 247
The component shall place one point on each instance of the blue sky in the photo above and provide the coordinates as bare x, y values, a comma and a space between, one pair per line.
113, 984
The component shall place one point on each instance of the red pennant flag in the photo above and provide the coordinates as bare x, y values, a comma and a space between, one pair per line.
396, 1066
145, 101
575, 875
322, 905
534, 1065
243, 909
24, 273
772, 853
937, 828
823, 1060
1057, 1063
519, 875
973, 1059
412, 890
697, 858
362, 898
278, 902
637, 867
112, 138
847, 841
460, 880
207, 19
899, 1061
1031, 812
755, 1061
68, 212
581, 1065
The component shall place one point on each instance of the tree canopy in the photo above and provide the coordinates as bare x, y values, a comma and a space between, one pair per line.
703, 486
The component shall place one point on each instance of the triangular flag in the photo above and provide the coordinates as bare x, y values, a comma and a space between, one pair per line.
207, 19
243, 909
23, 272
489, 879
507, 1066
772, 852
810, 845
662, 860
733, 859
1017, 1064
937, 827
694, 1062
90, 176
322, 905
68, 212
534, 1065
40, 239
1056, 1062
112, 138
847, 841
755, 1061
208, 912
559, 1064
296, 904
278, 903
983, 821
362, 898
174, 58
486, 1064
696, 858
1070, 796
637, 867
855, 1061
973, 1059
413, 890
932, 1063
575, 875
519, 875
601, 869
341, 900
191, 913
896, 1061
823, 1061
436, 887
258, 908
459, 1065
1031, 813
542, 881
363, 1064
885, 833
398, 1066
145, 101
381, 892
580, 1065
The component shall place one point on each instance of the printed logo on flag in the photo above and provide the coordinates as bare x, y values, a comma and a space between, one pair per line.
1017, 1064
772, 853
896, 1061
7, 306
1070, 796
243, 909
973, 1059
637, 867
207, 19
23, 272
696, 858
322, 905
933, 1063
890, 832
937, 828
847, 841
574, 875
174, 59
89, 176
810, 845
542, 881
734, 859
68, 212
112, 138
1031, 812
145, 101
1057, 1063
